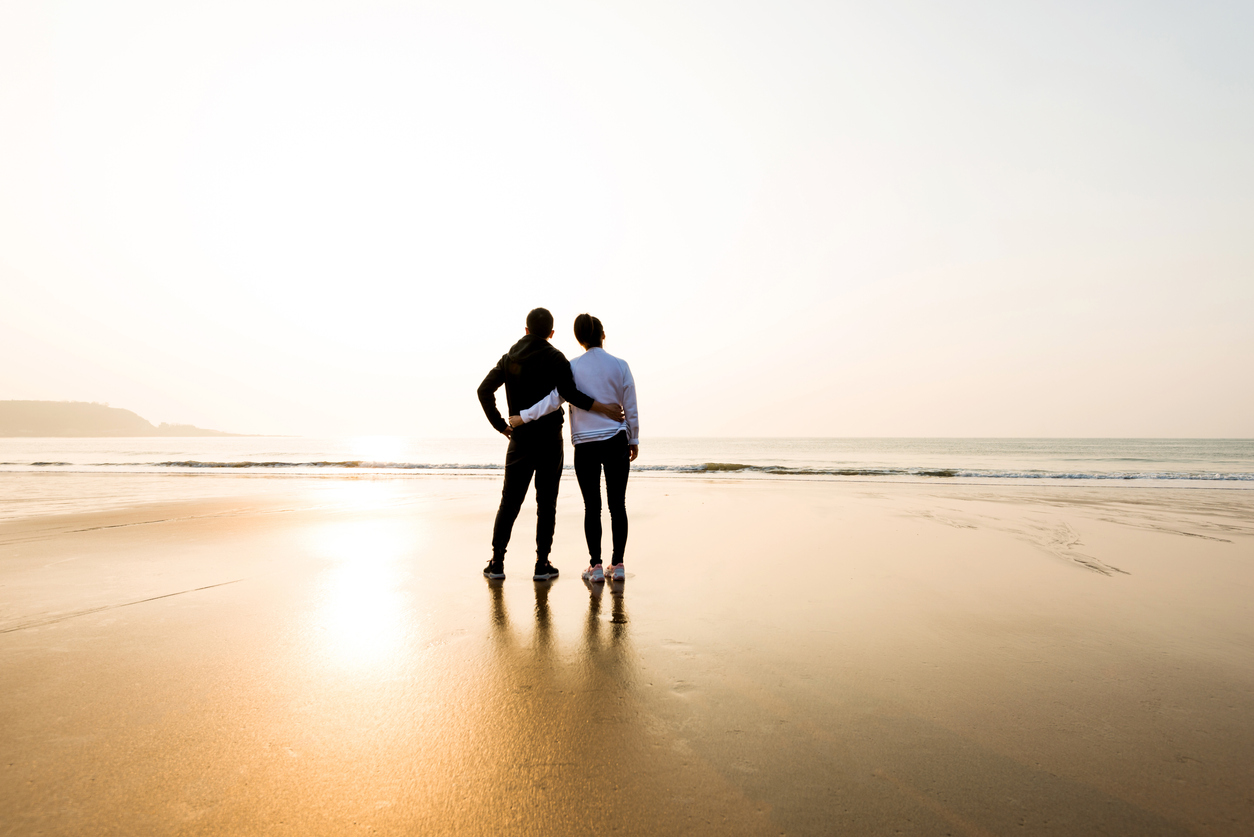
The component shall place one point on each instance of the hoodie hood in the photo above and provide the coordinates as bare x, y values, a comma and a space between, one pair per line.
526, 349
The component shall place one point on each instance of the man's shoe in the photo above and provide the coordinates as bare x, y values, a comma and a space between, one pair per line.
544, 571
494, 569
595, 572
617, 573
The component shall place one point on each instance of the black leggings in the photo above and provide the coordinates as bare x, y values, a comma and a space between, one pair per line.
590, 457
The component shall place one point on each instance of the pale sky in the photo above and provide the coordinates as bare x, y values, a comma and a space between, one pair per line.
795, 219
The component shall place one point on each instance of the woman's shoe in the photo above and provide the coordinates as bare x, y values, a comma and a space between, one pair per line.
617, 573
595, 572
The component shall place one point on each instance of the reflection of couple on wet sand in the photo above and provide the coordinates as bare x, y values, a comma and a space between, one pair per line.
544, 623
605, 430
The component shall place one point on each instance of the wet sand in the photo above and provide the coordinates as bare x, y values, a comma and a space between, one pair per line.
785, 657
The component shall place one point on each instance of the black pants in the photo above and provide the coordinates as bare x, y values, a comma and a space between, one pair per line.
590, 457
541, 457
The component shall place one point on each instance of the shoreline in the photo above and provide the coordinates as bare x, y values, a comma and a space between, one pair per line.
97, 491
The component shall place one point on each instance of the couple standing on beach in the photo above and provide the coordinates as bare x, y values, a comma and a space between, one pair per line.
604, 427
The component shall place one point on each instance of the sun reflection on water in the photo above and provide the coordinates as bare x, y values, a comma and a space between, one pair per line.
378, 448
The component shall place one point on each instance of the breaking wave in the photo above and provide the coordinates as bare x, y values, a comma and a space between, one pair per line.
970, 473
709, 468
386, 466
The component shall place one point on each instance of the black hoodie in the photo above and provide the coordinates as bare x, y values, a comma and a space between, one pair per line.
530, 370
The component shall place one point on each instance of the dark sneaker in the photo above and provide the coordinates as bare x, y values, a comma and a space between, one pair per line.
494, 569
544, 571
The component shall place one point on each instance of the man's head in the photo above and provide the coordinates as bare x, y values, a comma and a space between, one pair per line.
540, 323
589, 331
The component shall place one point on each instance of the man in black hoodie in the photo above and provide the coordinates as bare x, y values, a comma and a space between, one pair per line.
530, 370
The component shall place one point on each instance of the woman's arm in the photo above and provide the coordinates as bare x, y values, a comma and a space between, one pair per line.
543, 407
632, 413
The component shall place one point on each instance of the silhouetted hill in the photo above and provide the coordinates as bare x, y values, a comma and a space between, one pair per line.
80, 418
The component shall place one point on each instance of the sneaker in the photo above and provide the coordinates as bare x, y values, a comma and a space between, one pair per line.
494, 569
544, 571
617, 573
595, 572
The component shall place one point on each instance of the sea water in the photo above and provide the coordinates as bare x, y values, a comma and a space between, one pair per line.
69, 475
1192, 460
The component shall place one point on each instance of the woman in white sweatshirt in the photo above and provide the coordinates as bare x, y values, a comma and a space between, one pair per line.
600, 442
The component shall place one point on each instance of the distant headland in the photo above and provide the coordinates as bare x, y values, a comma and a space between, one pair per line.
85, 419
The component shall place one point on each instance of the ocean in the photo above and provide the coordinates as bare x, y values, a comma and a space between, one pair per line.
1150, 460
66, 475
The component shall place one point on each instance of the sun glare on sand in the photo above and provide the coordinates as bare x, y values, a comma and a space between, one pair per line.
359, 494
362, 618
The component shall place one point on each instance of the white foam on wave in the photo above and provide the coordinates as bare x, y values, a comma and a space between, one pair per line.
704, 469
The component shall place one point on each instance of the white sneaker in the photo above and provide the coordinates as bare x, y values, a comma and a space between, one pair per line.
594, 573
617, 573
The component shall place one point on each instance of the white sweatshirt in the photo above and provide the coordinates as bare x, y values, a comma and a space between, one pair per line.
608, 380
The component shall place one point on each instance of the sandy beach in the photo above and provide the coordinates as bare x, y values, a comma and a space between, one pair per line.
785, 657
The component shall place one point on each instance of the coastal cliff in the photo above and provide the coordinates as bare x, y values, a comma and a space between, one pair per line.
85, 419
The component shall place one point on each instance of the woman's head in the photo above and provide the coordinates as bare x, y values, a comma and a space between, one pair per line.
589, 331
